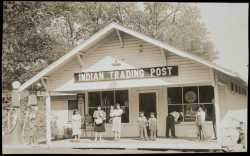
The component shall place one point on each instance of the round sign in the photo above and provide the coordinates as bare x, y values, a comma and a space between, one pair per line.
190, 96
38, 85
16, 84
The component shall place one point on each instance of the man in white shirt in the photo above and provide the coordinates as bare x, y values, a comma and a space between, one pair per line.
200, 119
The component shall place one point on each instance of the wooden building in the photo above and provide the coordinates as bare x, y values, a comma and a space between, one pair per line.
118, 65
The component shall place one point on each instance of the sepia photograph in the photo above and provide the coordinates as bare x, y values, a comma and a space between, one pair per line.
124, 77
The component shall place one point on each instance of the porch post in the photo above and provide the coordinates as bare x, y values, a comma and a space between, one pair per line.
48, 118
86, 103
217, 109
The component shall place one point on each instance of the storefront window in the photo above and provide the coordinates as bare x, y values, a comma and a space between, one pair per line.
109, 98
121, 97
174, 95
206, 94
186, 100
94, 99
190, 95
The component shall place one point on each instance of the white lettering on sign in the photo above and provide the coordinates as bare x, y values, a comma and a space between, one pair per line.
169, 70
128, 74
152, 71
141, 73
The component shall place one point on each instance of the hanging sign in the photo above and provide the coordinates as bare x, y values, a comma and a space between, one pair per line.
153, 72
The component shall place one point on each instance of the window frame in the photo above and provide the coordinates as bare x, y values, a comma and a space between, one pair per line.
106, 108
191, 104
70, 111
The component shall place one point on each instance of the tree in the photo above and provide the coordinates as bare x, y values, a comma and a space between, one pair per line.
25, 48
37, 33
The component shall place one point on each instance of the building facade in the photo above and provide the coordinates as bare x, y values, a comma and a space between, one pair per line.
118, 65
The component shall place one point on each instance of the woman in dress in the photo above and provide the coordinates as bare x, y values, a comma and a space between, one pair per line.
99, 120
116, 124
76, 125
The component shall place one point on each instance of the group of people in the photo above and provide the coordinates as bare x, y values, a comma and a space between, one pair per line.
99, 117
144, 124
175, 117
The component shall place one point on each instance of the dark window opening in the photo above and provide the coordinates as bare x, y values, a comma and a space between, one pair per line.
174, 95
109, 98
72, 105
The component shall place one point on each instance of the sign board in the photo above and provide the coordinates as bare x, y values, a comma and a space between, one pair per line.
139, 73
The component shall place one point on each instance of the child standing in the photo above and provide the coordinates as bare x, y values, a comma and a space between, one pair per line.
152, 123
142, 123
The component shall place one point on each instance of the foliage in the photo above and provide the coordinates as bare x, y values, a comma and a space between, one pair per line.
37, 33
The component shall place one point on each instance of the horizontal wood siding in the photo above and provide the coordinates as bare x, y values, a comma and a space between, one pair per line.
151, 55
63, 74
189, 71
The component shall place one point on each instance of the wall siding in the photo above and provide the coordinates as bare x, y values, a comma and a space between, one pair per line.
233, 107
189, 71
59, 107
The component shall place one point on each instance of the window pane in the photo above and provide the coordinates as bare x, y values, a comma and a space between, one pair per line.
232, 86
72, 104
94, 99
210, 112
108, 115
206, 94
175, 95
236, 88
190, 112
91, 111
121, 97
107, 98
176, 108
125, 115
190, 94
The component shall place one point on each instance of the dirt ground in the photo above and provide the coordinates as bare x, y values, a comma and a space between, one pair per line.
86, 151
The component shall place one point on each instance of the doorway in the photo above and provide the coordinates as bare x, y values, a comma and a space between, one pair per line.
147, 103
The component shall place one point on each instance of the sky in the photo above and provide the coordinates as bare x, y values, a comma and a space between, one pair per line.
227, 24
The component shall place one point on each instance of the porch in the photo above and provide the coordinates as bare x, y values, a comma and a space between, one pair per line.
135, 143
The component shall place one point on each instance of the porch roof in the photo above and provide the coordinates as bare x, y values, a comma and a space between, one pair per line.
71, 86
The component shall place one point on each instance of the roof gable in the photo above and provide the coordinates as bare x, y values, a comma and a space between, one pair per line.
104, 32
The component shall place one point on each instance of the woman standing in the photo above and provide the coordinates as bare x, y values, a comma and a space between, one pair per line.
76, 125
99, 118
200, 119
116, 124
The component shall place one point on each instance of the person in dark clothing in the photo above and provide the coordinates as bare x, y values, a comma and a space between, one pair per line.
170, 123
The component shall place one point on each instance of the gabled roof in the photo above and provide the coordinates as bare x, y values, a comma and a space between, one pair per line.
105, 31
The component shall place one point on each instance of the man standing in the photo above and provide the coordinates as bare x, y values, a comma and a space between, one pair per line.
172, 118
